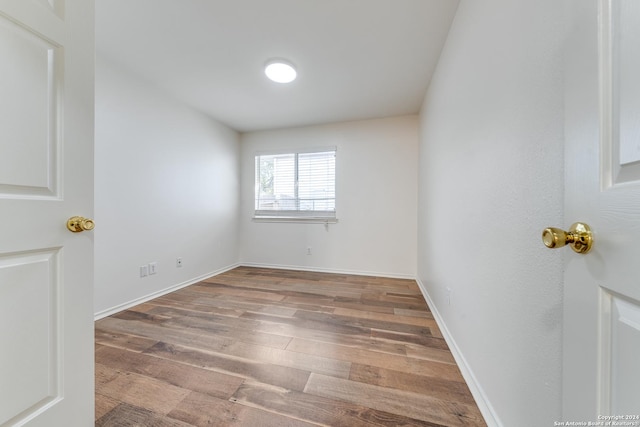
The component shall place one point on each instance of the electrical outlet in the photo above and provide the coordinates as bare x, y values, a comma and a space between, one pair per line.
153, 268
309, 251
179, 262
144, 270
448, 295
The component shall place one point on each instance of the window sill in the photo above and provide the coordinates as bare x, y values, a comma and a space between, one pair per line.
295, 219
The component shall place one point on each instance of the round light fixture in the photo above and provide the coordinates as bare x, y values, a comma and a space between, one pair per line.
280, 71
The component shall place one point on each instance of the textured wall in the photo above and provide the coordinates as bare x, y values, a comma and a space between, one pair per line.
491, 178
376, 200
167, 185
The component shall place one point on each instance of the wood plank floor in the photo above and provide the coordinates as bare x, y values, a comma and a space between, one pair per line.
264, 347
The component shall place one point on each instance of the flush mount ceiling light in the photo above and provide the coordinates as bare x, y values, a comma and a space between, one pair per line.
280, 71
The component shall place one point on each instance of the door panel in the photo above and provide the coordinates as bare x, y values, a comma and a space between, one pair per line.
46, 176
625, 32
29, 131
620, 344
55, 5
619, 65
601, 336
30, 285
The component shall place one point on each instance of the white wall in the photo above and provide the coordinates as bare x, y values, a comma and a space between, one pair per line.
166, 185
376, 200
491, 178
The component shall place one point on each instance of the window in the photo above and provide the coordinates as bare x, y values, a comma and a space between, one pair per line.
298, 185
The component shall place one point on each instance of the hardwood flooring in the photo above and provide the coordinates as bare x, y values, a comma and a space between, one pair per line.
263, 347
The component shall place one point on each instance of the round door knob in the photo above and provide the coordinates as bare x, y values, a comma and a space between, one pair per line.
579, 237
77, 224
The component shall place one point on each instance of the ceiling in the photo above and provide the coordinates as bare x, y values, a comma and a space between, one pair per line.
356, 59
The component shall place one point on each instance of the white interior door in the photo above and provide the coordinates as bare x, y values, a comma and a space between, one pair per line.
46, 176
601, 367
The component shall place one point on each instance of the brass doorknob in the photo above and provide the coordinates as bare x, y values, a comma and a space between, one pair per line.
579, 237
77, 224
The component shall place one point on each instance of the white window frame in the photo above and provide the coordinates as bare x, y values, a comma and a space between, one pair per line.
293, 215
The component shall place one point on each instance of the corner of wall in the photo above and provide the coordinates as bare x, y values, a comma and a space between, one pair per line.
482, 400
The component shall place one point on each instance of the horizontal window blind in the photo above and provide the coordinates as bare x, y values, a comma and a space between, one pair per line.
298, 185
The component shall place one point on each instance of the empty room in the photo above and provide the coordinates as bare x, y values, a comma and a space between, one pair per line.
319, 213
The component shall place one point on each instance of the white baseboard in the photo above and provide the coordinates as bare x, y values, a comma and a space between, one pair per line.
329, 270
149, 297
489, 414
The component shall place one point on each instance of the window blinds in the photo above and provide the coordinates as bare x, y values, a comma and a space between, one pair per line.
298, 184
